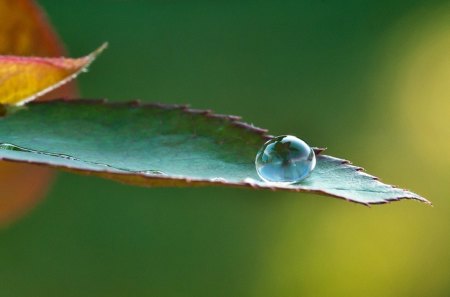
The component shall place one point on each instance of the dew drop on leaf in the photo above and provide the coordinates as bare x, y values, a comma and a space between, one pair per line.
285, 159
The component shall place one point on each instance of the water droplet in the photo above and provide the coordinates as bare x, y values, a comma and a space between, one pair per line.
285, 159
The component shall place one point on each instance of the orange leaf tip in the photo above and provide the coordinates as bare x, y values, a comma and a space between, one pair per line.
23, 79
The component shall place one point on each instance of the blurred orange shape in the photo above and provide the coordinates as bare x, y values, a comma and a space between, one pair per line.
25, 31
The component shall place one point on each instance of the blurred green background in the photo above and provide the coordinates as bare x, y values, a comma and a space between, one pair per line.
367, 79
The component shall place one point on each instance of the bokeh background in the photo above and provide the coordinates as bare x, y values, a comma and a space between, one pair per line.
370, 80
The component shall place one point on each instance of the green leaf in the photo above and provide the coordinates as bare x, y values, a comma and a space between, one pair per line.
166, 145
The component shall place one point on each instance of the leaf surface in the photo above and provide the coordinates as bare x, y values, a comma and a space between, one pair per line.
162, 145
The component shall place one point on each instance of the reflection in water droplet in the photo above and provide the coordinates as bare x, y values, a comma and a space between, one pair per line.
285, 159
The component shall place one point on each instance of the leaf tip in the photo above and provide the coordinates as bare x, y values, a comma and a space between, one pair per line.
319, 150
99, 50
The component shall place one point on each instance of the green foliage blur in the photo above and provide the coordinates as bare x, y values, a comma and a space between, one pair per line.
367, 79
